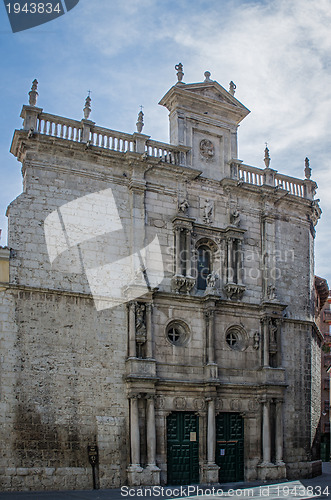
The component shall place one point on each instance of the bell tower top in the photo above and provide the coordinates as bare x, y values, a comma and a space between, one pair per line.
205, 117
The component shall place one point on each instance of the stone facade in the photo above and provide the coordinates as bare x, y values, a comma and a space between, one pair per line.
224, 339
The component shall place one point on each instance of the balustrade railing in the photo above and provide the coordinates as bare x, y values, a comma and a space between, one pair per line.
56, 126
252, 175
291, 184
78, 131
256, 176
72, 130
111, 139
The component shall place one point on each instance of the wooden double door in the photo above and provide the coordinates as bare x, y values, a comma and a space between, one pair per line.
183, 448
230, 447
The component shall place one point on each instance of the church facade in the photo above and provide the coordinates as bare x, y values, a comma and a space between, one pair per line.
157, 305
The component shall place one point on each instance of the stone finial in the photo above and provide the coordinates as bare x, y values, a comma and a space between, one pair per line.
140, 122
87, 107
180, 74
207, 75
307, 168
266, 156
232, 88
33, 94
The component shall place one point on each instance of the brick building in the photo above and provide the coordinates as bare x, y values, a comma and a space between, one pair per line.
157, 302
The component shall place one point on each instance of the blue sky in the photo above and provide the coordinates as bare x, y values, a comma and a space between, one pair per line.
277, 52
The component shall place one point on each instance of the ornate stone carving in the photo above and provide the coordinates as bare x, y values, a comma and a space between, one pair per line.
180, 74
140, 324
253, 405
307, 169
207, 149
159, 402
218, 404
199, 404
271, 293
232, 88
256, 340
208, 209
235, 405
234, 291
273, 332
33, 94
180, 403
266, 156
183, 207
211, 283
183, 284
235, 218
87, 108
140, 122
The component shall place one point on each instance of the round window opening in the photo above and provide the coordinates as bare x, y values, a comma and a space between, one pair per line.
232, 339
177, 333
236, 338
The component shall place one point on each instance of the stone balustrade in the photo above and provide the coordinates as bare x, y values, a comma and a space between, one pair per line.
252, 175
290, 184
56, 126
86, 131
73, 130
260, 177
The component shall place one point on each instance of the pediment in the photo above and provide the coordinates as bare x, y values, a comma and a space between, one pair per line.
217, 94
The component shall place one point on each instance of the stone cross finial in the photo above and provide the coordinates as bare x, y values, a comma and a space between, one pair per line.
33, 94
266, 156
180, 74
87, 107
307, 168
232, 88
207, 75
140, 122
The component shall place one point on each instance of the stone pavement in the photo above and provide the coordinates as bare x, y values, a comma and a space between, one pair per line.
318, 487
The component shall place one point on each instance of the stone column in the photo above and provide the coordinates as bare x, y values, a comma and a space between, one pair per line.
211, 432
211, 343
265, 328
134, 431
188, 252
132, 330
149, 328
239, 262
266, 438
178, 256
151, 432
229, 261
279, 431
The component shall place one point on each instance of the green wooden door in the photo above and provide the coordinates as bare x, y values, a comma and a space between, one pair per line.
183, 448
230, 447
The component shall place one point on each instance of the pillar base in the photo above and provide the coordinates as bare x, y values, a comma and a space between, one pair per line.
137, 476
267, 472
211, 473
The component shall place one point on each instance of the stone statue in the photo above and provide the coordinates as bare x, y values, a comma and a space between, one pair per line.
87, 108
235, 218
256, 339
307, 169
140, 122
183, 206
211, 280
271, 292
180, 74
266, 156
140, 319
232, 88
33, 94
208, 211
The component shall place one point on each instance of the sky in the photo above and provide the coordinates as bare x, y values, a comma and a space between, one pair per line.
278, 53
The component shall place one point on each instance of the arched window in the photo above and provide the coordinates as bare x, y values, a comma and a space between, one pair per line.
203, 266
